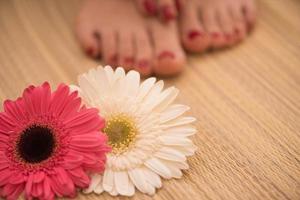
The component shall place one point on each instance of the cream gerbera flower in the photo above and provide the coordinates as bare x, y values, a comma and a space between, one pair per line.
147, 132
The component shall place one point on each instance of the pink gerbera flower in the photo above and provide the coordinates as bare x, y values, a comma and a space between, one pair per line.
48, 144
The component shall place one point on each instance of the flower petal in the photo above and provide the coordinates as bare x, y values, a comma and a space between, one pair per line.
108, 180
121, 182
158, 167
167, 153
99, 188
137, 177
173, 112
152, 177
179, 122
175, 141
181, 131
96, 179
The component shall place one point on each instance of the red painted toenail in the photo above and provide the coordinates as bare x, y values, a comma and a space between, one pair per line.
193, 34
237, 31
215, 35
166, 54
228, 36
129, 60
113, 59
143, 64
168, 13
178, 5
150, 6
90, 51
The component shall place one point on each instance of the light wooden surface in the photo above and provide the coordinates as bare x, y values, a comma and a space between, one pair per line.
246, 99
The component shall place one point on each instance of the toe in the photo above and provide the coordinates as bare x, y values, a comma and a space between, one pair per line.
179, 4
126, 51
226, 24
193, 36
249, 10
212, 27
109, 47
167, 10
239, 22
148, 7
88, 38
144, 53
169, 56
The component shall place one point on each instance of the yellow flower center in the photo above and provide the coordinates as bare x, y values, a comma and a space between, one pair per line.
121, 132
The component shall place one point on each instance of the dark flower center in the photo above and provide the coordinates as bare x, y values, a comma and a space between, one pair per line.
36, 144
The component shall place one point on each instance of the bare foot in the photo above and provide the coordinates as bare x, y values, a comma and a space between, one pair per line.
116, 31
166, 10
221, 23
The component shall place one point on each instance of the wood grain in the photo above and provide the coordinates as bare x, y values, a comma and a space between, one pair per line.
246, 99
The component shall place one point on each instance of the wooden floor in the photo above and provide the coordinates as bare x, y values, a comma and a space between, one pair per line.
246, 99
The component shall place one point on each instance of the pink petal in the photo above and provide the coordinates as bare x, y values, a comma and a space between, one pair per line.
28, 104
6, 124
28, 186
17, 178
47, 188
37, 190
12, 191
11, 108
72, 160
83, 118
59, 99
38, 177
4, 176
88, 141
45, 98
71, 109
61, 176
62, 184
64, 180
79, 177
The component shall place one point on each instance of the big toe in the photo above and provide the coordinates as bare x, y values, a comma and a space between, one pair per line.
169, 56
193, 36
88, 37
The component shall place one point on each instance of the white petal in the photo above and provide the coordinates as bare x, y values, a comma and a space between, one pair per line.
173, 112
102, 81
180, 165
160, 101
108, 180
187, 150
138, 179
88, 88
151, 97
178, 122
113, 192
166, 98
131, 189
145, 88
121, 182
158, 167
109, 74
95, 180
174, 141
152, 177
99, 188
167, 153
120, 73
132, 83
175, 171
180, 131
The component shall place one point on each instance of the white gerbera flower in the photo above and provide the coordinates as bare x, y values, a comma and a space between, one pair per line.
147, 132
